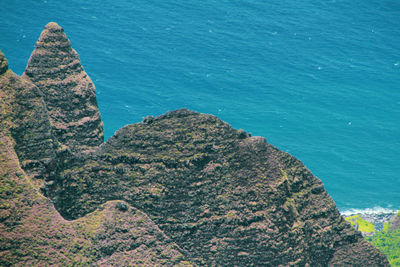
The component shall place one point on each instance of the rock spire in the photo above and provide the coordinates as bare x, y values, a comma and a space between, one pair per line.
180, 189
55, 68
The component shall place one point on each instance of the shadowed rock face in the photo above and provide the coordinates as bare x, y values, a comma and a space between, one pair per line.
180, 188
3, 63
32, 232
223, 197
55, 68
24, 116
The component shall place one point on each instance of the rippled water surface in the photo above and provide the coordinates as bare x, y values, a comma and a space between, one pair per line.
319, 79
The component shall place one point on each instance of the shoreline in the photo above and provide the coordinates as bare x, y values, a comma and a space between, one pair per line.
374, 210
378, 217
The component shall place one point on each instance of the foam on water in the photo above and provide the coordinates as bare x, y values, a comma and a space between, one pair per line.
369, 211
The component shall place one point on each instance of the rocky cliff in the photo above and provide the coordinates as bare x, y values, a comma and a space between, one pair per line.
24, 116
32, 232
183, 188
55, 68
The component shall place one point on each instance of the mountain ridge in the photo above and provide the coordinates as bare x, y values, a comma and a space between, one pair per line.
216, 194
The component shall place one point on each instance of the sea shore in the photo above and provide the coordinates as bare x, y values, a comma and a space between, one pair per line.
377, 217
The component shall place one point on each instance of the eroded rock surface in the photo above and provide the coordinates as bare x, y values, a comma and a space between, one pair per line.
223, 197
55, 68
23, 115
3, 63
180, 189
32, 232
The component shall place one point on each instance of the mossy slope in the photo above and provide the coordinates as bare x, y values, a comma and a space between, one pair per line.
360, 224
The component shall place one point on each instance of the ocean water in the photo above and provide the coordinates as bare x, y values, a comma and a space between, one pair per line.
318, 79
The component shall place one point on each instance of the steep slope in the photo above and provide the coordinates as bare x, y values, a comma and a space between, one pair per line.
222, 196
55, 68
32, 232
183, 187
24, 116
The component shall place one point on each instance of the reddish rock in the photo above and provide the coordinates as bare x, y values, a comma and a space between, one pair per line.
55, 68
24, 116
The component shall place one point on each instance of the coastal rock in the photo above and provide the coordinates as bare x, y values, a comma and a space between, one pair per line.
24, 116
55, 68
3, 63
223, 198
183, 188
32, 232
395, 222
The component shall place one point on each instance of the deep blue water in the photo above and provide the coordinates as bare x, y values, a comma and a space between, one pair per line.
318, 79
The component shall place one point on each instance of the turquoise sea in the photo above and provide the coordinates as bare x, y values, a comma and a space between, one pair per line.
318, 79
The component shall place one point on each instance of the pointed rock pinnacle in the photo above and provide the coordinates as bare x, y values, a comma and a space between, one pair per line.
55, 68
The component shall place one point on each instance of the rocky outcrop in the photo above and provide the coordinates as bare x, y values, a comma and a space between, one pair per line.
32, 232
3, 63
183, 188
395, 222
24, 116
55, 68
222, 196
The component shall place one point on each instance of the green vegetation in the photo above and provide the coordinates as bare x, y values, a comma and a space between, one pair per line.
388, 241
363, 226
